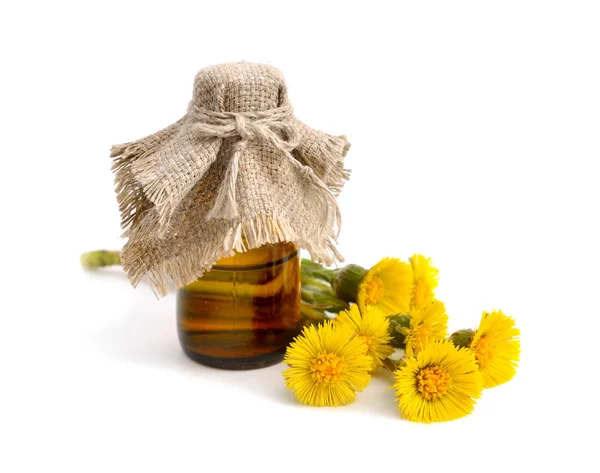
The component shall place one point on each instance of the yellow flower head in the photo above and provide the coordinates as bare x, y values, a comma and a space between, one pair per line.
426, 325
496, 347
425, 279
387, 286
371, 326
441, 383
328, 365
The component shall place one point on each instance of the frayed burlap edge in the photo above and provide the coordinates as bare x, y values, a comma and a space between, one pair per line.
131, 196
189, 265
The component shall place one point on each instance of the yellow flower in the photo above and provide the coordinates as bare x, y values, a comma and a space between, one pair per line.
328, 365
496, 347
426, 325
425, 279
441, 383
371, 326
387, 286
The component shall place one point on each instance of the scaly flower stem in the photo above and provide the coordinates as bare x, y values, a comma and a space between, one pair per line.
311, 313
397, 324
316, 271
308, 280
100, 258
390, 365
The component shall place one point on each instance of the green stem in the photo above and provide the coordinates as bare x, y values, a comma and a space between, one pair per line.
315, 270
100, 258
397, 325
310, 313
390, 365
308, 279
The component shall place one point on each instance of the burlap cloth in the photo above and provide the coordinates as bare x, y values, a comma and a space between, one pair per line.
236, 172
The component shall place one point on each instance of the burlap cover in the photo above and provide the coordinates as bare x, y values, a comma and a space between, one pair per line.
236, 172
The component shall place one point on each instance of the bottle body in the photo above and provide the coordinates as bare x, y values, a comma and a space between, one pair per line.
244, 312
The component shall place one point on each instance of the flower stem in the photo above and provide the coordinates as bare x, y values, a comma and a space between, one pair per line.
100, 258
390, 365
316, 271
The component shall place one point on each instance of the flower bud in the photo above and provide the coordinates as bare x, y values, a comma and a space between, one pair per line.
461, 338
347, 280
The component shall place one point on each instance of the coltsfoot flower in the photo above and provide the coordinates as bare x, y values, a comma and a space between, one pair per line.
386, 286
425, 278
372, 327
328, 365
441, 383
426, 325
496, 347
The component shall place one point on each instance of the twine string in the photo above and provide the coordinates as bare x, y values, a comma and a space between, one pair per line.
274, 126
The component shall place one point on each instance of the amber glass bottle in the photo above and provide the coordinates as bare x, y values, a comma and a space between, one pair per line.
243, 312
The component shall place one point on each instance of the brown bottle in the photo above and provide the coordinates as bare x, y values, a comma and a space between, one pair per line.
244, 312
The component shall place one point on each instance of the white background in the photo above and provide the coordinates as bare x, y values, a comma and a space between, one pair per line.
475, 132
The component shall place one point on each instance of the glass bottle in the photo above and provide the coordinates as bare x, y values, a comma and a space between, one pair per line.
244, 312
